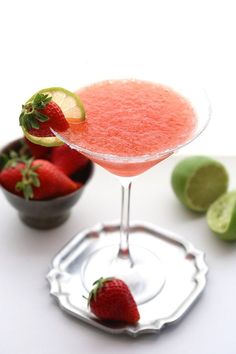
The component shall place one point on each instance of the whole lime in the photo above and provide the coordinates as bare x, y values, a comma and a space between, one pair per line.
198, 181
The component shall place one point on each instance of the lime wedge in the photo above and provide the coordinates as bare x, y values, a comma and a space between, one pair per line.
198, 181
49, 141
221, 216
71, 107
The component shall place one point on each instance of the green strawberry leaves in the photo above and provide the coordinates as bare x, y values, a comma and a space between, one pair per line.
29, 180
11, 159
29, 175
98, 284
30, 116
40, 100
3, 160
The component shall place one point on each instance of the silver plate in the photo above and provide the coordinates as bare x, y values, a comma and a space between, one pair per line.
185, 276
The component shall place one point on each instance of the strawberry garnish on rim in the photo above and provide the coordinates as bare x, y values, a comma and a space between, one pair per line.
40, 114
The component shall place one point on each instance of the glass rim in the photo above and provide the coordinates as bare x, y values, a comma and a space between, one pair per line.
131, 159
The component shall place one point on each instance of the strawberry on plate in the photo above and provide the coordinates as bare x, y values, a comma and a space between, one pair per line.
38, 180
68, 160
112, 300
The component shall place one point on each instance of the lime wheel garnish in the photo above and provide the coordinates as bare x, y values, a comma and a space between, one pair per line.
54, 108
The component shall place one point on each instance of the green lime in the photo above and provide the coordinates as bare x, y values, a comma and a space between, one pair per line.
49, 141
198, 181
221, 216
70, 105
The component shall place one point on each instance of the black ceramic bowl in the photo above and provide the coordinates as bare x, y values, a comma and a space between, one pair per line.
51, 213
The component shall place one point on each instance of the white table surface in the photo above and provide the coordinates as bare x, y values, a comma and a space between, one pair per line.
32, 322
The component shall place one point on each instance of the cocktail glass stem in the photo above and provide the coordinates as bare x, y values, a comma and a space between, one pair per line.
124, 251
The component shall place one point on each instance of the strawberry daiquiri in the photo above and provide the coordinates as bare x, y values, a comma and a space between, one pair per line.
128, 119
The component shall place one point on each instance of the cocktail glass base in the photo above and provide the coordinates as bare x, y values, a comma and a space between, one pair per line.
145, 276
167, 276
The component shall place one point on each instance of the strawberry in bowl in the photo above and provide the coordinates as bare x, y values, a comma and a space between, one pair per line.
40, 190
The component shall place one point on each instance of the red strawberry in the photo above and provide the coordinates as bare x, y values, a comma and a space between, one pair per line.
10, 176
112, 300
37, 151
68, 160
38, 180
40, 114
53, 183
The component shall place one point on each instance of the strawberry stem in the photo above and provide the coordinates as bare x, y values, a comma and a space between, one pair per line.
98, 284
30, 115
11, 159
29, 180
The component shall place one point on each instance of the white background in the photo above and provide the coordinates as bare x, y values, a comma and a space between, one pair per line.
66, 43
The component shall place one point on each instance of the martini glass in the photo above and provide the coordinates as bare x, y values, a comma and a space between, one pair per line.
137, 264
